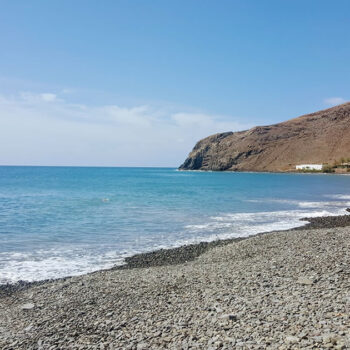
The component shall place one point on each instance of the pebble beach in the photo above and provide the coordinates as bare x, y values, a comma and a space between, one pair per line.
280, 290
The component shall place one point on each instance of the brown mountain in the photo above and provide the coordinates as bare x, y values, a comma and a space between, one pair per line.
316, 138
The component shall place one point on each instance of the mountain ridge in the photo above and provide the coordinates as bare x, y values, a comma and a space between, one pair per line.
317, 138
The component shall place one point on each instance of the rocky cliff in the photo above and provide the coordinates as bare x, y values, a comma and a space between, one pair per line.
316, 138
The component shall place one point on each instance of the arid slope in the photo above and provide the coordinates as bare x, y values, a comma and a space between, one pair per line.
316, 138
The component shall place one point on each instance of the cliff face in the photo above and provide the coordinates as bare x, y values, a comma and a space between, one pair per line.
316, 138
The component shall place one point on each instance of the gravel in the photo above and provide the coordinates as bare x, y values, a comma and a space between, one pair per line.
191, 251
281, 290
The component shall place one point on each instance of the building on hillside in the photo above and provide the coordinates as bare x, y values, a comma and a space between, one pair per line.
309, 167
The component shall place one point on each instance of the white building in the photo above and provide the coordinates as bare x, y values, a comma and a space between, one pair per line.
309, 167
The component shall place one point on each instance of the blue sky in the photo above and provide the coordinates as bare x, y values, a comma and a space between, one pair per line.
139, 82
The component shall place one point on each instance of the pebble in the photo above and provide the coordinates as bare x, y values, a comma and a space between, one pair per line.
229, 317
281, 290
27, 306
304, 280
292, 339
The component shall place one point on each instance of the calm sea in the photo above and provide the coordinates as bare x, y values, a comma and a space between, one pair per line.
63, 221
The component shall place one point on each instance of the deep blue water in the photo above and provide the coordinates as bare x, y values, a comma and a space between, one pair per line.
60, 221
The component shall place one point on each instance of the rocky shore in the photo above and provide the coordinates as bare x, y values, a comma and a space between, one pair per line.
281, 290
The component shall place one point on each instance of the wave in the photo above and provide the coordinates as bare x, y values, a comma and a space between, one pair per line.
338, 196
322, 204
246, 224
44, 264
53, 263
343, 201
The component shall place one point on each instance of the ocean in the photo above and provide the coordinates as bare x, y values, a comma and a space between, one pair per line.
65, 221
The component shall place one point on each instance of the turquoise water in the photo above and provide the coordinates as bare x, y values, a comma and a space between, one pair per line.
62, 221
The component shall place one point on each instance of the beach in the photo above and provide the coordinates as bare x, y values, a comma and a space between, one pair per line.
280, 290
174, 175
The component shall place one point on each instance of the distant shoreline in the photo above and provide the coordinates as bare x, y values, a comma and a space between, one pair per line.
262, 172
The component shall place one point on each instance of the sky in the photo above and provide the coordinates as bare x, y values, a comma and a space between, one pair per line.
138, 83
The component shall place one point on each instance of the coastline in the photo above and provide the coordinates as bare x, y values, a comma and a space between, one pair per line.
185, 253
279, 290
263, 172
181, 254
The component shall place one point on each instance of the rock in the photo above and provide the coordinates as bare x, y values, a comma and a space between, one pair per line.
330, 338
340, 346
305, 281
27, 329
229, 317
27, 306
292, 339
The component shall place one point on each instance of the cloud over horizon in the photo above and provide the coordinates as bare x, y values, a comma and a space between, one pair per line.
44, 129
334, 101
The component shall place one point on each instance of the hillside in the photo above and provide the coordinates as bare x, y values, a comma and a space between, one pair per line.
316, 138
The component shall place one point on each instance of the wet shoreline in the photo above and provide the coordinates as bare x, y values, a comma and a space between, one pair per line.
182, 254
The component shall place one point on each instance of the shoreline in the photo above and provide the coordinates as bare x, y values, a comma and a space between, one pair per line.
181, 254
185, 253
264, 172
279, 290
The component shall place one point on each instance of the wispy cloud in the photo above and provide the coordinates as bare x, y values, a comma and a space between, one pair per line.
334, 101
48, 97
34, 98
43, 128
